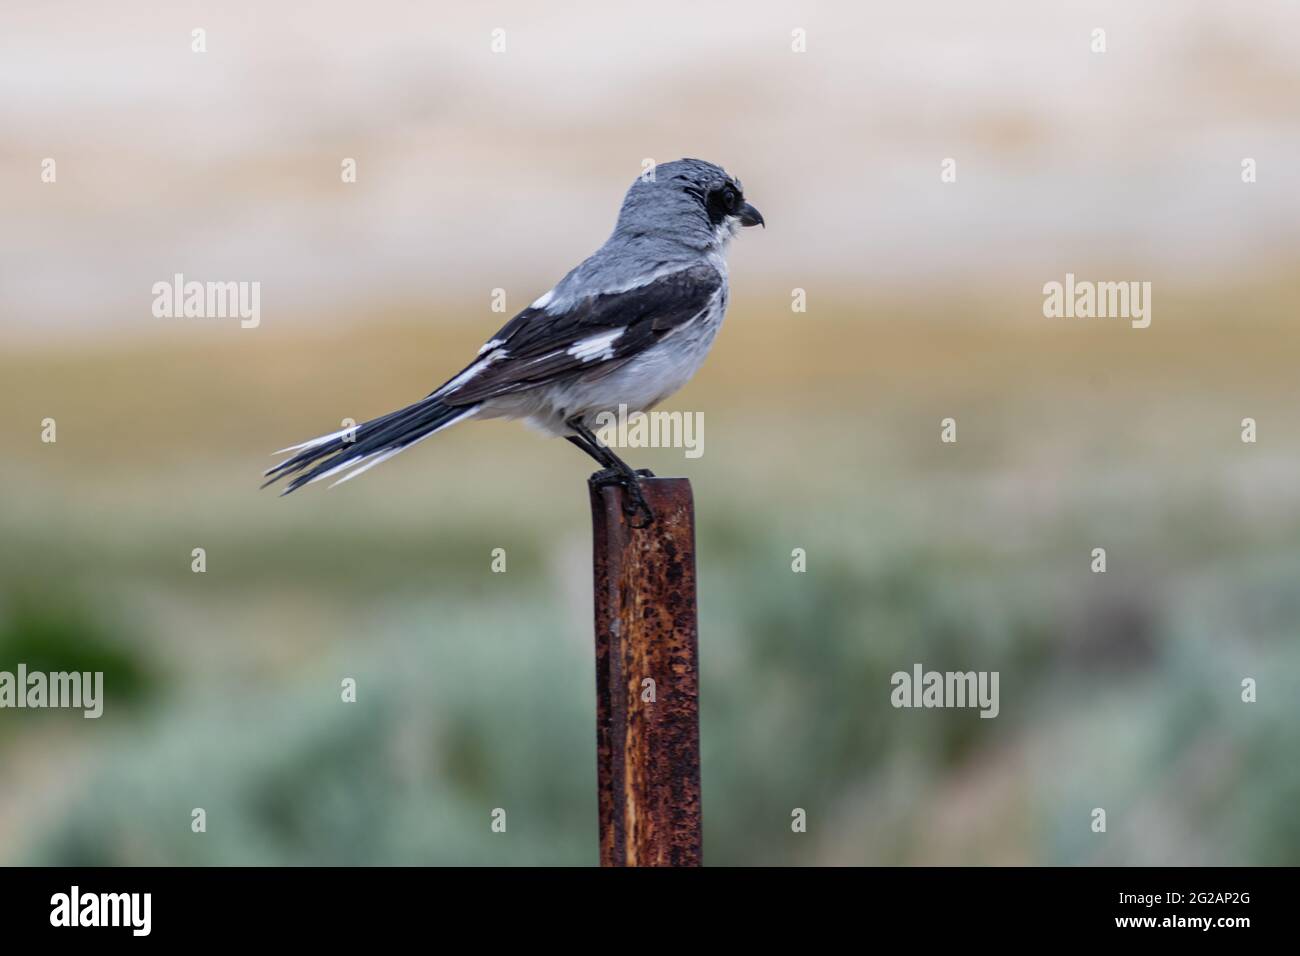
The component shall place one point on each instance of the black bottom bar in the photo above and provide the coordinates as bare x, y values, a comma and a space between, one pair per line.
331, 906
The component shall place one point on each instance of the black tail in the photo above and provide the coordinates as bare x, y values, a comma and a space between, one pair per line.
366, 445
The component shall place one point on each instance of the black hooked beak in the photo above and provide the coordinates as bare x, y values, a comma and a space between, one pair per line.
749, 216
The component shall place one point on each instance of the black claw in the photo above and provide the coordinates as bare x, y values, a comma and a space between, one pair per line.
636, 507
634, 503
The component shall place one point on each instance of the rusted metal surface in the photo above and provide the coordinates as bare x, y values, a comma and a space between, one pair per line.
647, 750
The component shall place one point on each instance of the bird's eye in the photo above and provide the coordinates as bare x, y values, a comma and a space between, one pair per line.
721, 202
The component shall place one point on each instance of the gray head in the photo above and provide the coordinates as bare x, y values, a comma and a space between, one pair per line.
687, 201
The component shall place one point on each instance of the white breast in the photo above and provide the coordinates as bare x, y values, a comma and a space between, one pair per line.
640, 384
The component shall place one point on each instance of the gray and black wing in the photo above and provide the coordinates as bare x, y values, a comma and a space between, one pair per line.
594, 335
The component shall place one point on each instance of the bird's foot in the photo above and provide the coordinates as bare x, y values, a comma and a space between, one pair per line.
635, 508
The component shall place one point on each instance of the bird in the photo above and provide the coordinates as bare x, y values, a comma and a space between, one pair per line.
628, 326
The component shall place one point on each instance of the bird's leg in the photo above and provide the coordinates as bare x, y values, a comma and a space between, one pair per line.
597, 452
589, 443
615, 472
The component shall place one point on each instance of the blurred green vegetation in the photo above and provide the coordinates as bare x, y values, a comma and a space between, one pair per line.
476, 690
51, 632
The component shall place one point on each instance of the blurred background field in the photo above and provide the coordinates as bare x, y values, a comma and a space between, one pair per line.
476, 690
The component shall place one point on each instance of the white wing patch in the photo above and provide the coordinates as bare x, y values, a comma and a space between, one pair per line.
543, 300
597, 347
490, 346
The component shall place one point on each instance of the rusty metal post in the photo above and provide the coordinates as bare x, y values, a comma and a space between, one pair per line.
647, 678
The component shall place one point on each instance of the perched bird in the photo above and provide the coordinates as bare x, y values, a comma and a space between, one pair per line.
629, 326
